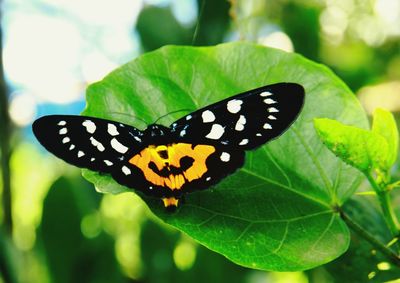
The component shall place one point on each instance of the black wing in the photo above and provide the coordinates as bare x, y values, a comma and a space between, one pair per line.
247, 120
88, 142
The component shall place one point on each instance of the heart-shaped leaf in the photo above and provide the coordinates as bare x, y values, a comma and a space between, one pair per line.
278, 211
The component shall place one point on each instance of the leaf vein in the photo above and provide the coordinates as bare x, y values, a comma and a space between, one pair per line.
285, 187
324, 232
259, 221
275, 251
314, 159
279, 167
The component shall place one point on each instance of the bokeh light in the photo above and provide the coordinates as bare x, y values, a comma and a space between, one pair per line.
22, 108
185, 254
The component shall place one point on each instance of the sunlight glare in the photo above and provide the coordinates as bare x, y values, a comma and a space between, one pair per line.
95, 66
389, 13
334, 21
185, 11
22, 108
30, 39
277, 39
385, 95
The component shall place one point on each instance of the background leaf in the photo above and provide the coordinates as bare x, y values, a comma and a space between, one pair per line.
277, 212
385, 125
360, 263
362, 149
71, 256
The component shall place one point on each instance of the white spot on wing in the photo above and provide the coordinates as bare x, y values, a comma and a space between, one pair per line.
118, 146
63, 131
269, 101
244, 141
273, 110
65, 140
240, 123
188, 117
265, 93
234, 105
216, 132
208, 116
126, 170
112, 130
97, 144
108, 162
80, 153
208, 178
259, 135
90, 126
267, 126
92, 159
71, 147
62, 123
225, 157
271, 117
182, 133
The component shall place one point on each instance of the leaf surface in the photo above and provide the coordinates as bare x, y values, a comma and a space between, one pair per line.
360, 148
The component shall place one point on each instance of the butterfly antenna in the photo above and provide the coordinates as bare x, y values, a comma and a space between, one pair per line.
173, 112
130, 116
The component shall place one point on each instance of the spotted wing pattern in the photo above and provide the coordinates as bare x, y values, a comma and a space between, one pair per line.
197, 151
168, 169
87, 142
244, 121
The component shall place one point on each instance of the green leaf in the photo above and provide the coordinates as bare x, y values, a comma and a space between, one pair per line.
385, 125
360, 148
278, 211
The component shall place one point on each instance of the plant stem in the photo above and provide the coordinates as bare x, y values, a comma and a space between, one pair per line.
7, 271
386, 206
392, 256
5, 151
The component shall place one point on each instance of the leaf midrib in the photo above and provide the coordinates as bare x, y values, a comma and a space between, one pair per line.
293, 190
250, 221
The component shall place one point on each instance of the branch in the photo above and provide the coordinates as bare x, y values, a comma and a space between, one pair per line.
392, 256
386, 205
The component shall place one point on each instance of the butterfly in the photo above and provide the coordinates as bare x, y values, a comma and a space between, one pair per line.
193, 153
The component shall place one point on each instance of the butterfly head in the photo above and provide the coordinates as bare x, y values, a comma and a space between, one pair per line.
156, 132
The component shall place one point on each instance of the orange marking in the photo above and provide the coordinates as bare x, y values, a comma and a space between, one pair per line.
170, 202
164, 156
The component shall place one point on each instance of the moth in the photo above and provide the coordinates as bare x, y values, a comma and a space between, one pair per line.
193, 153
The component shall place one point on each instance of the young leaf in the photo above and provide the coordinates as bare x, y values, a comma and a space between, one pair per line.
385, 125
360, 148
277, 212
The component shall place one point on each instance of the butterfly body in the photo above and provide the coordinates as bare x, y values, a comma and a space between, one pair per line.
194, 153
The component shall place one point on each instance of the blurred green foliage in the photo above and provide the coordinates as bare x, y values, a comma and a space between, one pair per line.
64, 231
